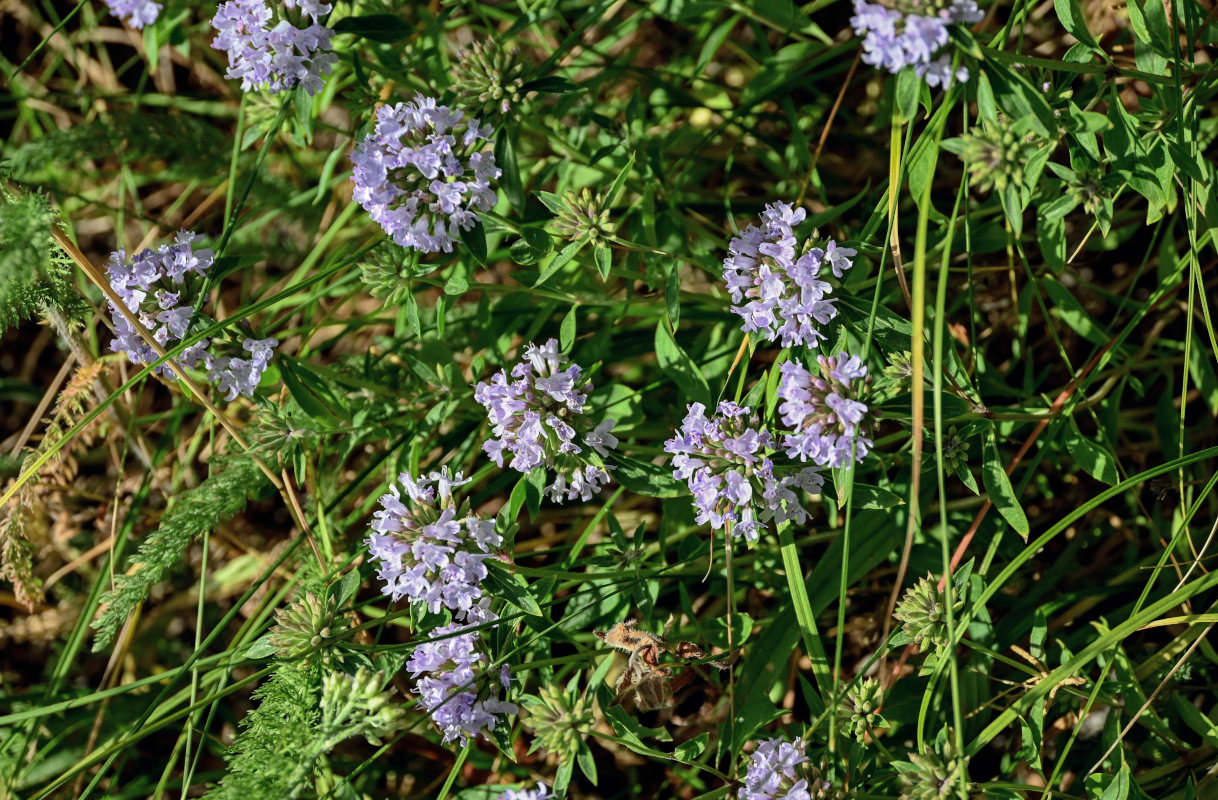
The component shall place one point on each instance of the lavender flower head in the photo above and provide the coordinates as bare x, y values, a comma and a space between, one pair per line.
136, 13
542, 792
772, 772
432, 550
723, 460
910, 33
449, 689
156, 287
411, 177
278, 55
778, 293
824, 410
539, 419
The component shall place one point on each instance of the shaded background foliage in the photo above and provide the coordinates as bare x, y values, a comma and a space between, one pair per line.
1053, 221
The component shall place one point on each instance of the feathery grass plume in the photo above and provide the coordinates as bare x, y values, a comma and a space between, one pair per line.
179, 146
234, 480
40, 628
276, 733
34, 272
306, 707
24, 522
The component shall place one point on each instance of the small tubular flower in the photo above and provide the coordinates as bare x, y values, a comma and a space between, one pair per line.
824, 412
412, 179
772, 772
778, 293
431, 549
723, 460
448, 688
910, 34
539, 419
542, 792
277, 55
136, 13
156, 287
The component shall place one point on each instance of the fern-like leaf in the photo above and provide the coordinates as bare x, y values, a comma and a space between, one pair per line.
235, 479
34, 271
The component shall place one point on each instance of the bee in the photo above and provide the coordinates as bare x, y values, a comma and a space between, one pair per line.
651, 682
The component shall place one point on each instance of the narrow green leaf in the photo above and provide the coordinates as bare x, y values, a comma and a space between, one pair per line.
672, 295
475, 240
533, 245
677, 363
998, 486
616, 188
604, 260
803, 612
505, 159
560, 260
1091, 456
1071, 18
566, 331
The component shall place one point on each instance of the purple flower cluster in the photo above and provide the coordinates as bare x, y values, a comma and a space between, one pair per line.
778, 294
412, 179
277, 55
542, 792
539, 419
894, 39
154, 286
136, 13
431, 550
824, 412
448, 690
723, 459
772, 772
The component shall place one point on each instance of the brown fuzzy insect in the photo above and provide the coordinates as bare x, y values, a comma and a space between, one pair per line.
652, 683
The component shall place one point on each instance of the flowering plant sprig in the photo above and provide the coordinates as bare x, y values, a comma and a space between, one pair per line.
542, 792
910, 33
723, 458
826, 417
136, 13
277, 55
772, 772
156, 286
431, 548
411, 177
777, 290
448, 690
539, 419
